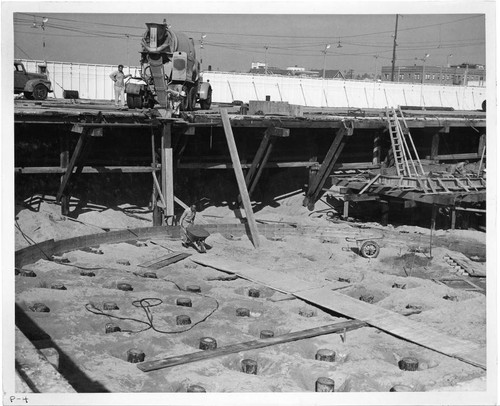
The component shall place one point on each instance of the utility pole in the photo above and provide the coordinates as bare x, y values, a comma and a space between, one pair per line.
394, 49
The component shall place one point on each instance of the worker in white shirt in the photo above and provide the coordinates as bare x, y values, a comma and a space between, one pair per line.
119, 78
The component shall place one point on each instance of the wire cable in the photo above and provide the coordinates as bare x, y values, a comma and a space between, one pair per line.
146, 304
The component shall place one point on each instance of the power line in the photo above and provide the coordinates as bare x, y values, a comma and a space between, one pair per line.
18, 47
266, 35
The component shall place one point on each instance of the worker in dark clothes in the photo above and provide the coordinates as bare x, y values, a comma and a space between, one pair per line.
187, 219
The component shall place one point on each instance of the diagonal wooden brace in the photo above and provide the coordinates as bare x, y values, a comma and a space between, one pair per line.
79, 155
262, 156
75, 158
326, 168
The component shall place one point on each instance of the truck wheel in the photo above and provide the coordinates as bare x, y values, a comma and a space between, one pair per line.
40, 92
369, 249
28, 95
205, 104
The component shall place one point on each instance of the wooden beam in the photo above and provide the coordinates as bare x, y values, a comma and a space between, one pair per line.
458, 157
261, 167
167, 176
245, 198
365, 197
326, 168
371, 182
73, 162
257, 160
250, 345
38, 170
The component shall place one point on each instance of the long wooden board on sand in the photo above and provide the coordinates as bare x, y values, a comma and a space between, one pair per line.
375, 316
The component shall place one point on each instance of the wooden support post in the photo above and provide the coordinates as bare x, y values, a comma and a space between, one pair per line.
64, 161
453, 218
435, 145
384, 208
167, 176
377, 150
245, 198
313, 172
346, 209
482, 144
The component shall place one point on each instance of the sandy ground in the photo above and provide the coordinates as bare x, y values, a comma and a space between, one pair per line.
367, 361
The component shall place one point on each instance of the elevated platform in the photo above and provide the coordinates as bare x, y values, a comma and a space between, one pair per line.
60, 111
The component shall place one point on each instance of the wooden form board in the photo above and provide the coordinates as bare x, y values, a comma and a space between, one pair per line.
250, 345
165, 260
385, 320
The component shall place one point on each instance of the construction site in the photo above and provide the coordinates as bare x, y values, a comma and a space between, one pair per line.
334, 249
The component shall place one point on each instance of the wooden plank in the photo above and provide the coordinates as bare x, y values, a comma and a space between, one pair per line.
386, 320
38, 170
371, 182
218, 165
164, 260
398, 325
458, 157
250, 345
38, 373
245, 198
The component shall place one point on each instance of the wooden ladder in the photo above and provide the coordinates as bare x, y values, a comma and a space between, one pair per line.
403, 150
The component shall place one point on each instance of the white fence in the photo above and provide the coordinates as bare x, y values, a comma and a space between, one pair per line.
93, 82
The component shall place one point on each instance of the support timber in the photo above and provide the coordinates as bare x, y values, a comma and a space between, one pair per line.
262, 156
239, 178
316, 185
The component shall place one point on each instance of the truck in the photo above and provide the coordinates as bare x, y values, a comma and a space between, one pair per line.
170, 73
34, 85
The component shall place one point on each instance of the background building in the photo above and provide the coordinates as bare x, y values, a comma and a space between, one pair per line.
464, 74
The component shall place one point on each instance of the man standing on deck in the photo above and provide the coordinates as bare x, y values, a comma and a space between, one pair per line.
119, 78
187, 219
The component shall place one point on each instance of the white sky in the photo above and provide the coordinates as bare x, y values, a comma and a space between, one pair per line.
234, 41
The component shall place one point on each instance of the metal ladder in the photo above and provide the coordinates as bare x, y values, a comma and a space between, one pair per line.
405, 164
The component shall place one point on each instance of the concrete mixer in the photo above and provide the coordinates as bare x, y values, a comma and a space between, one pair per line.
170, 73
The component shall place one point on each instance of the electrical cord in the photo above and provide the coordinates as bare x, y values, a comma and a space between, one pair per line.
146, 304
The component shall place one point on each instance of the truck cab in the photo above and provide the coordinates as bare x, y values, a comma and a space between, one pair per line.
35, 86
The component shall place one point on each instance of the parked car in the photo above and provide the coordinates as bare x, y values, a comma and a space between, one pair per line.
34, 85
